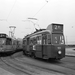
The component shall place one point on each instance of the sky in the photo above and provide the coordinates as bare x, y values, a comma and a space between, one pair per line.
16, 13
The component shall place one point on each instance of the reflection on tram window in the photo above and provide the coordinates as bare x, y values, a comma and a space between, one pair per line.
2, 41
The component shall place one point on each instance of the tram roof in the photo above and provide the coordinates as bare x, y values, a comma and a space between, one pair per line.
37, 33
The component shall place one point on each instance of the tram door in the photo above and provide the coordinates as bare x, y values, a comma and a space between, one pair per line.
44, 45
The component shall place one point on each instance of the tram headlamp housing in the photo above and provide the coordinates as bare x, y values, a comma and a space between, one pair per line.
59, 52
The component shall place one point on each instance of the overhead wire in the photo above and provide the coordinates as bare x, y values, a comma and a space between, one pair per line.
41, 8
39, 11
11, 9
11, 32
9, 13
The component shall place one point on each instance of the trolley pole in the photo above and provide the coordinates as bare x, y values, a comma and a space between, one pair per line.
12, 31
34, 23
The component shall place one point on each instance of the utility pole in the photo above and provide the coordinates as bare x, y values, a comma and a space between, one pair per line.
66, 41
12, 31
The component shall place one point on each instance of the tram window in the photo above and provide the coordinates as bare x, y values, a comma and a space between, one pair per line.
44, 39
8, 41
2, 41
31, 42
27, 41
49, 39
14, 42
61, 39
39, 40
24, 42
34, 41
58, 39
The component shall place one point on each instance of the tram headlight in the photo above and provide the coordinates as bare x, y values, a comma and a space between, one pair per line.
59, 52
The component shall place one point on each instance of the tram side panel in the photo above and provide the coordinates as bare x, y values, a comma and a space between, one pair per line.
47, 52
38, 50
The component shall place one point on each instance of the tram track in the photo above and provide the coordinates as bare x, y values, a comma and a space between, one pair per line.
36, 67
10, 69
16, 67
62, 69
65, 68
27, 70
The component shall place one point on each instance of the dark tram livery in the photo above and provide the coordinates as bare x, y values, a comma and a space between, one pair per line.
46, 43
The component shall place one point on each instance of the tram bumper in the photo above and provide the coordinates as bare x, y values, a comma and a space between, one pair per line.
59, 51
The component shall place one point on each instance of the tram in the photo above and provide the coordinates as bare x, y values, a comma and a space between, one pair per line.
7, 44
46, 43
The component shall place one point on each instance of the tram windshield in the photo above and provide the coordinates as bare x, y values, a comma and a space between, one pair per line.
8, 41
2, 41
57, 39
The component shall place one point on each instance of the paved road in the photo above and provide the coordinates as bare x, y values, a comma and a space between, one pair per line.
19, 67
7, 70
4, 72
29, 69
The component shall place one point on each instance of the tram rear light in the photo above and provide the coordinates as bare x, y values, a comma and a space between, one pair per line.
59, 52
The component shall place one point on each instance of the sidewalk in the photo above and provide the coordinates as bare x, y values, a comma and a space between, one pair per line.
4, 72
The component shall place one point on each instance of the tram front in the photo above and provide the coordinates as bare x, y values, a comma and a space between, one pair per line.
57, 41
58, 45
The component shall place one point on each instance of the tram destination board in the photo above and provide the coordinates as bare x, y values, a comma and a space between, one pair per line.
55, 28
3, 35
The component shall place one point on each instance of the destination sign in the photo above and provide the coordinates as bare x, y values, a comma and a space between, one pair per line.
55, 28
3, 35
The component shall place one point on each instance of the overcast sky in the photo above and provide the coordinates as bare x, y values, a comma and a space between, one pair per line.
14, 12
